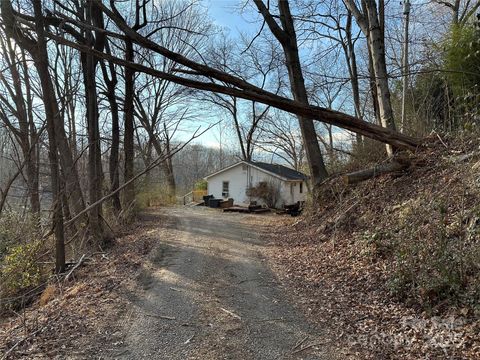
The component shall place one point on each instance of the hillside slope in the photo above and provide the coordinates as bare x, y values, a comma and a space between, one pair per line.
390, 266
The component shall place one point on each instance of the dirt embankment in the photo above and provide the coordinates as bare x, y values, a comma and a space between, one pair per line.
79, 318
391, 266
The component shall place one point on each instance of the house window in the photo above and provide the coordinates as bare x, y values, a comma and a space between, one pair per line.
301, 187
225, 191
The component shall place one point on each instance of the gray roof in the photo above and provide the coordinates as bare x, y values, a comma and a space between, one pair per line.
280, 170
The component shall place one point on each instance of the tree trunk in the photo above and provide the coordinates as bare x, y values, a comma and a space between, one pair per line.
288, 39
377, 46
172, 187
318, 170
49, 100
26, 136
353, 71
114, 169
94, 152
113, 164
371, 22
128, 140
95, 173
234, 111
373, 86
377, 170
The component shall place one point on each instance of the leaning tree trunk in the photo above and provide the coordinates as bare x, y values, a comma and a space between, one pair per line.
297, 83
288, 39
240, 88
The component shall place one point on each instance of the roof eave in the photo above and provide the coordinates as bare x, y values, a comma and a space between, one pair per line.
256, 167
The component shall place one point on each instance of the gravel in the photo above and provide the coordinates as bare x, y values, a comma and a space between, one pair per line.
209, 294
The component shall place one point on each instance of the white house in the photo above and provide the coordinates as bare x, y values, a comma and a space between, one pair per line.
234, 181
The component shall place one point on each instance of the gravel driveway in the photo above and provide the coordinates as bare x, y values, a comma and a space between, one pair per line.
209, 294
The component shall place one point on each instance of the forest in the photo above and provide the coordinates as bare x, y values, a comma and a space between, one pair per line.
111, 108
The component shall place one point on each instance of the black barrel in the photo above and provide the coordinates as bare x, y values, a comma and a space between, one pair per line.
206, 199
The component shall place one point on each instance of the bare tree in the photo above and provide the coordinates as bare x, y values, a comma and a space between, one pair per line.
38, 51
238, 87
258, 64
92, 15
371, 20
281, 137
461, 10
160, 104
55, 124
287, 37
110, 79
21, 108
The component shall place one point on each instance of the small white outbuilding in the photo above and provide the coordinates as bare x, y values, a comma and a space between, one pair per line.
235, 181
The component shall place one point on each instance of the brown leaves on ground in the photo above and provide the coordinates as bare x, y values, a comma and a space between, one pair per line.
79, 319
368, 264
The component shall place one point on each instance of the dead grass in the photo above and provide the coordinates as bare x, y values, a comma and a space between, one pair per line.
79, 319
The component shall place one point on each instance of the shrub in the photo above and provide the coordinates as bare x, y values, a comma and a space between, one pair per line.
463, 57
201, 185
267, 191
462, 62
20, 249
16, 229
437, 269
153, 195
20, 268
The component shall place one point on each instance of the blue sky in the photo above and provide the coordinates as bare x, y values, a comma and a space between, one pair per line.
225, 13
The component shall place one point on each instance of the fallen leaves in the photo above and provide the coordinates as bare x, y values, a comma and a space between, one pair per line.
79, 319
338, 266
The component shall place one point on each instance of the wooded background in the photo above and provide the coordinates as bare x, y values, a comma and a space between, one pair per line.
100, 102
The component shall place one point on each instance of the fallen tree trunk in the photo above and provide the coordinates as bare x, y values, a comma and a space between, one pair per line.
329, 116
377, 170
317, 113
230, 84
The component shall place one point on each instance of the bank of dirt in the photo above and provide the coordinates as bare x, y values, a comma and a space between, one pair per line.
391, 265
78, 318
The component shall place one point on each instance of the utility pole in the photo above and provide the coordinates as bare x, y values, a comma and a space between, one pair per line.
406, 13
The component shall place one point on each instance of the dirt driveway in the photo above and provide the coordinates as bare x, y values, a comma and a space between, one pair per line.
209, 294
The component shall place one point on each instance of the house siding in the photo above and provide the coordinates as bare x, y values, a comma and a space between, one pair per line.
242, 176
237, 178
